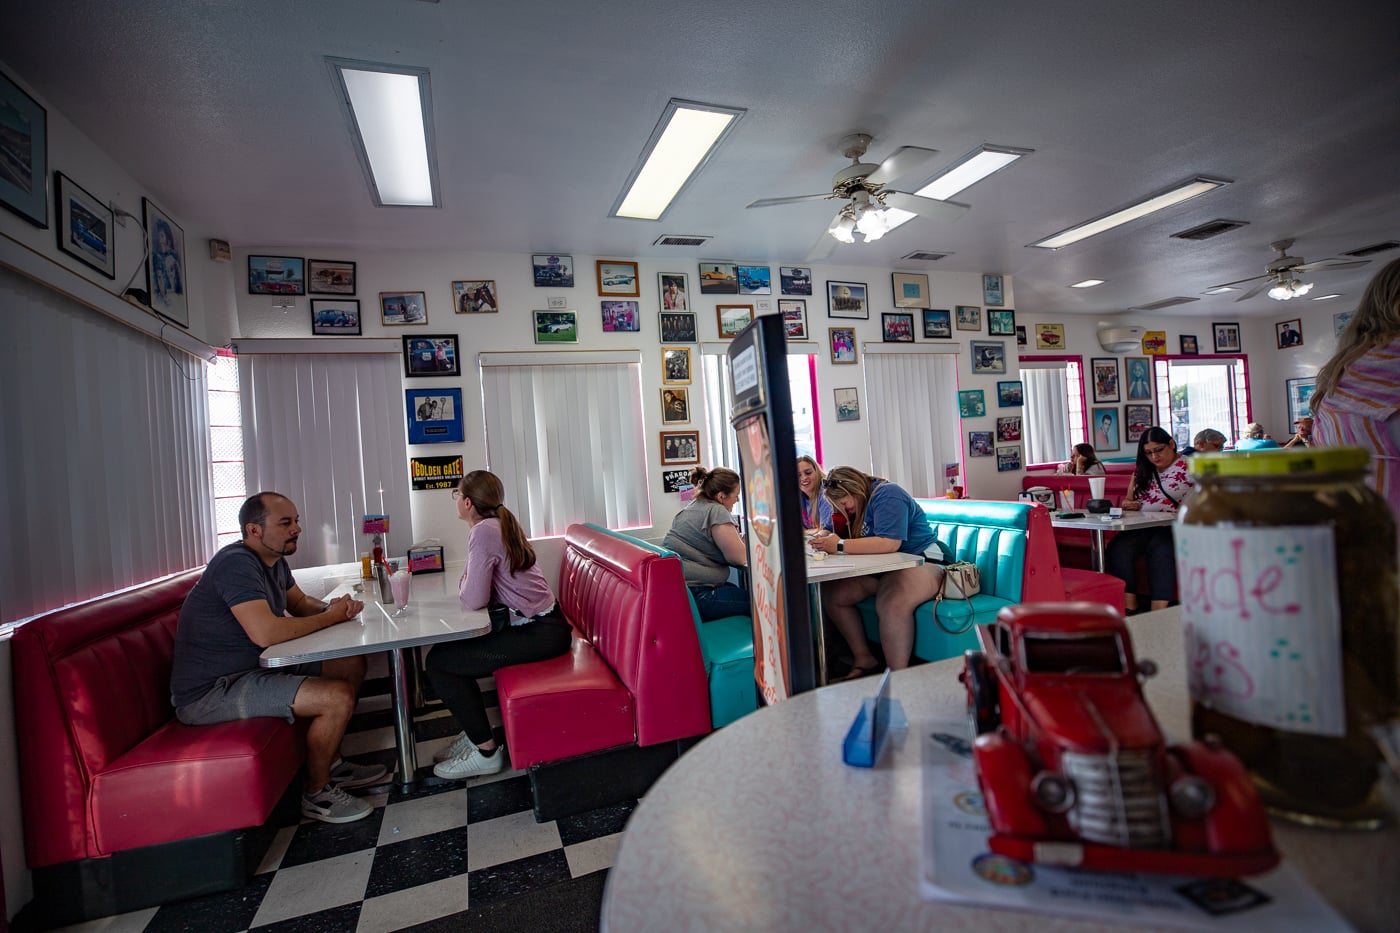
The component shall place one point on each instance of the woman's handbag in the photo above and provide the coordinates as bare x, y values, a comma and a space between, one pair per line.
961, 580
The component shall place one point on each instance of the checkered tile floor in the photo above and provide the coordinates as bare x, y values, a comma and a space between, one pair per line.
448, 856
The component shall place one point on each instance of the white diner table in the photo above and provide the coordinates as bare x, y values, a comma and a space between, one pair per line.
1098, 524
841, 567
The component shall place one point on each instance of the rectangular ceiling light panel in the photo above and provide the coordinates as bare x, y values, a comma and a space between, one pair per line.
388, 108
683, 141
968, 171
1191, 188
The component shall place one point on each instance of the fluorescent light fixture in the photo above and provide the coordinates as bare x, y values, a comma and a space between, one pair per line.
1087, 283
1220, 290
1325, 297
1184, 191
970, 169
683, 141
388, 108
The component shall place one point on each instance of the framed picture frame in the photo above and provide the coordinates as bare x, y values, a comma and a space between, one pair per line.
474, 296
1049, 336
992, 294
552, 270
847, 404
675, 366
677, 327
969, 317
979, 444
434, 416
165, 265
622, 317
680, 447
84, 225
847, 300
1103, 372
795, 280
1138, 373
1136, 420
674, 291
1227, 336
24, 184
842, 341
1189, 346
719, 278
1340, 320
988, 357
897, 327
1104, 427
335, 317
675, 405
731, 319
1011, 394
556, 327
1001, 322
1008, 458
1021, 338
276, 275
1300, 397
396, 308
1154, 343
330, 277
754, 280
938, 324
618, 277
910, 289
1009, 428
1289, 333
794, 312
972, 403
431, 355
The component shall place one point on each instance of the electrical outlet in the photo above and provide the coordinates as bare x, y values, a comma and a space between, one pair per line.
558, 304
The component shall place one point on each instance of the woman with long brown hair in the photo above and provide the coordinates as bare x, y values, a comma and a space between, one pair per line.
707, 540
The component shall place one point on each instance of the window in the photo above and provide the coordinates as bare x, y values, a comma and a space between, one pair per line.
1054, 416
720, 448
1195, 393
912, 403
226, 447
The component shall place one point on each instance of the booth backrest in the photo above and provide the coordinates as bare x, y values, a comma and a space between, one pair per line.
1111, 467
1011, 543
1114, 487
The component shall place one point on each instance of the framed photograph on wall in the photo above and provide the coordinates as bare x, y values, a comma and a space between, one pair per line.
847, 404
1300, 398
675, 406
1008, 458
1340, 320
1227, 337
1049, 336
679, 447
754, 280
24, 182
1001, 323
553, 271
674, 289
675, 366
276, 275
847, 299
972, 403
1154, 342
556, 327
1290, 333
796, 280
1189, 346
434, 416
403, 308
897, 328
910, 290
1139, 375
622, 317
732, 319
719, 278
979, 444
794, 312
1009, 428
616, 277
1011, 394
843, 344
330, 277
430, 355
1104, 424
165, 265
1104, 370
1136, 420
992, 295
677, 327
84, 226
474, 296
335, 317
988, 357
938, 325
969, 317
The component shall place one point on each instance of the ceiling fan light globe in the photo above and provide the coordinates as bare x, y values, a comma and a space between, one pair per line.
1280, 293
1301, 288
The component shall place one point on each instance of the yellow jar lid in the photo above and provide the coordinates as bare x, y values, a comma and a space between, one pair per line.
1279, 461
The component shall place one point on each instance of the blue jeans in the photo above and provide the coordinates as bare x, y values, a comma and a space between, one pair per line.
716, 602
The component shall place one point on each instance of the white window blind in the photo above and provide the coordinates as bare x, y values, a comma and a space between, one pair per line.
1047, 415
329, 431
912, 404
104, 454
565, 433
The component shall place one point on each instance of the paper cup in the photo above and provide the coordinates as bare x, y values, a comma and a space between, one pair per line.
1096, 484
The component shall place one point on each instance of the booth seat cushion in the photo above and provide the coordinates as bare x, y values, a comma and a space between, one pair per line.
1088, 586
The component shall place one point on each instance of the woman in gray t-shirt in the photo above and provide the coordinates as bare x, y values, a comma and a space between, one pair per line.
707, 540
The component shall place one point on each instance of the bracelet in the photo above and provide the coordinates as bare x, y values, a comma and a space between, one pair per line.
840, 547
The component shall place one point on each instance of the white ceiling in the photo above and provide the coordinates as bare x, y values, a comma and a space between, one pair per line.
226, 111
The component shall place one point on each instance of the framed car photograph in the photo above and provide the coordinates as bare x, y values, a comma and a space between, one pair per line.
1104, 423
847, 300
938, 325
474, 296
969, 317
430, 355
843, 344
276, 275
397, 308
988, 357
795, 280
680, 447
794, 312
434, 416
556, 327
622, 317
897, 328
675, 406
972, 403
24, 180
754, 280
335, 317
1009, 428
732, 319
1010, 394
979, 444
675, 366
677, 327
674, 289
553, 271
847, 404
616, 277
1189, 346
165, 265
84, 226
1104, 370
1154, 342
1227, 337
1139, 377
719, 278
992, 294
1136, 420
910, 290
330, 277
1290, 333
1049, 336
1001, 323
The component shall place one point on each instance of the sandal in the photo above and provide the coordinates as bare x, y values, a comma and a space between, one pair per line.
856, 673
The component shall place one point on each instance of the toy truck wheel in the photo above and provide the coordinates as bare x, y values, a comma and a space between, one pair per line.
983, 714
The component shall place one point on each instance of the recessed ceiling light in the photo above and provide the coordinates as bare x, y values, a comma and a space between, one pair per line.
682, 142
388, 108
1325, 297
1220, 290
1184, 191
1087, 283
970, 169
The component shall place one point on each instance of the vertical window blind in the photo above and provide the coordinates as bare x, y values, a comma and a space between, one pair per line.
1047, 414
912, 404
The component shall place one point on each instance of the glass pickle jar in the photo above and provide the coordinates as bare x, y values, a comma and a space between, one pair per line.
1287, 573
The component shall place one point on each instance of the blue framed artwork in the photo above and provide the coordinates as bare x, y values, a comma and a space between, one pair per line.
1010, 394
1300, 398
972, 403
24, 183
434, 416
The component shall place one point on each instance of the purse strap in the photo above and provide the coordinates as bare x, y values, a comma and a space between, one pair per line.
938, 601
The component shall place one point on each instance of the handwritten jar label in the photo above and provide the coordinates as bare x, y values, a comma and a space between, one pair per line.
1263, 624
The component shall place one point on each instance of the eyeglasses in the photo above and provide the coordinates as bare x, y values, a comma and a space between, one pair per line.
456, 494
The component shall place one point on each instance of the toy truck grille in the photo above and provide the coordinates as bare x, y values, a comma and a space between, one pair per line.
1117, 799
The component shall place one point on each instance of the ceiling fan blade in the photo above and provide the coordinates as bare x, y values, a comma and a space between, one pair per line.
823, 248
924, 207
771, 202
906, 160
1329, 265
1252, 278
1256, 289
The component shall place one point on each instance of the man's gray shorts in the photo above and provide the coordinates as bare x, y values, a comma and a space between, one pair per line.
248, 695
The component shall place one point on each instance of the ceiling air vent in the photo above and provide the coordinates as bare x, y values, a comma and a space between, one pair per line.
681, 239
924, 255
1373, 249
1209, 229
1164, 303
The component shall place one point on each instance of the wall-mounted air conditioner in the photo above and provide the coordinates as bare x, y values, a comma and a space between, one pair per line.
1122, 339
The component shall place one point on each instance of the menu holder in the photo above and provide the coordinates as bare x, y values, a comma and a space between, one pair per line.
869, 733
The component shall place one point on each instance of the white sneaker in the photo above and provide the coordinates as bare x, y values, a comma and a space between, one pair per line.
333, 805
458, 746
470, 763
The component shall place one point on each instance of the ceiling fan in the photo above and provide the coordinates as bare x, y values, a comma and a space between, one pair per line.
871, 208
1280, 276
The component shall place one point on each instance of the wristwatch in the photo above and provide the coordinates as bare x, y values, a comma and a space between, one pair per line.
840, 547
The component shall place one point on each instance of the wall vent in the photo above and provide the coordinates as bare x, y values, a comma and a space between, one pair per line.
682, 239
1210, 229
924, 255
1373, 249
1164, 303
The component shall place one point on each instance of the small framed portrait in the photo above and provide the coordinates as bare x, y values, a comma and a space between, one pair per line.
553, 271
979, 444
1290, 333
1136, 420
556, 327
434, 416
1001, 323
24, 172
848, 300
1188, 345
1340, 320
675, 366
969, 317
1139, 375
847, 405
430, 355
616, 277
897, 328
732, 319
84, 226
794, 312
335, 317
1227, 337
403, 308
1104, 422
474, 296
1008, 458
1300, 397
910, 290
276, 275
1009, 428
843, 344
1105, 373
1021, 339
165, 265
1010, 394
719, 278
680, 447
988, 357
622, 317
1049, 336
675, 406
330, 277
677, 327
1154, 342
972, 403
938, 325
795, 280
992, 295
674, 289
754, 280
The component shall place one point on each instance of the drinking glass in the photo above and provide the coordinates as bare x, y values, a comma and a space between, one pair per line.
399, 584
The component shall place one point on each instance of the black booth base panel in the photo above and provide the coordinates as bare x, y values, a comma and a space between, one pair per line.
599, 779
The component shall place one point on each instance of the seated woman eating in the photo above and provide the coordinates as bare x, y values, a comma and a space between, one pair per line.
883, 518
1083, 461
707, 540
1159, 484
816, 511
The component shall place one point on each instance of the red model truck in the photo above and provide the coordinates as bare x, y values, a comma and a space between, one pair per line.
1075, 770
